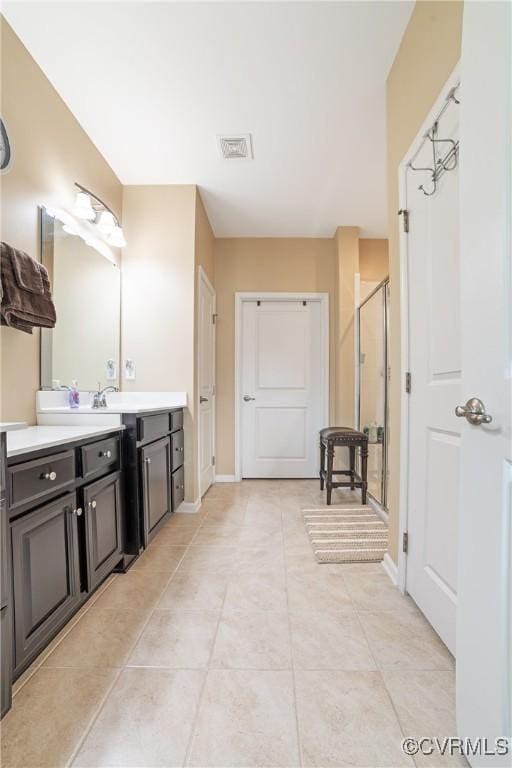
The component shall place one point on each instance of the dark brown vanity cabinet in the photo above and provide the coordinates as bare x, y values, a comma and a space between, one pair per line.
155, 470
5, 598
46, 576
102, 514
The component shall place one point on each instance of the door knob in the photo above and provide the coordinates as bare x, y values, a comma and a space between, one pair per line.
203, 399
247, 398
474, 412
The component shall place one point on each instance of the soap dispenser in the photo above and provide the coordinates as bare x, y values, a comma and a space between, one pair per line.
74, 395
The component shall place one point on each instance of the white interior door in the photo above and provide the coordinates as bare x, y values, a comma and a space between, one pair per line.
206, 382
484, 616
282, 398
435, 366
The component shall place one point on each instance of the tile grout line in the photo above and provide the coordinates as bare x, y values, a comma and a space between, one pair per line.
191, 739
105, 698
294, 679
73, 622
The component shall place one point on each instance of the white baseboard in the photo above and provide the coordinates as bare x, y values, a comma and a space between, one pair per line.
189, 506
390, 568
225, 478
378, 509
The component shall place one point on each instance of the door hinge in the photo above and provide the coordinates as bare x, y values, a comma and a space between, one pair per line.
408, 382
405, 542
405, 221
213, 461
214, 318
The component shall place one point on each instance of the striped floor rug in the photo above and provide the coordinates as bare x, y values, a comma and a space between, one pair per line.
346, 534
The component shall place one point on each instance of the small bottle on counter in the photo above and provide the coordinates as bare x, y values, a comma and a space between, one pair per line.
74, 395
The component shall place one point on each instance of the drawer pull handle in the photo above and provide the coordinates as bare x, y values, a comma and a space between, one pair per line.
77, 511
106, 454
148, 460
49, 476
93, 504
180, 450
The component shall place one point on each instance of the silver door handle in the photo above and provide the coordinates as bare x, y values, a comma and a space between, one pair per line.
203, 399
474, 412
247, 398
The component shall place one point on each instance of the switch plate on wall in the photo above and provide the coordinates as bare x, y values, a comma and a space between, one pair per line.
129, 369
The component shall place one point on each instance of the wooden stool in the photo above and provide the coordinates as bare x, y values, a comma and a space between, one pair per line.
330, 438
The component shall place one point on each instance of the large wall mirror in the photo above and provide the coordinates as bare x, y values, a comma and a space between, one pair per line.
84, 346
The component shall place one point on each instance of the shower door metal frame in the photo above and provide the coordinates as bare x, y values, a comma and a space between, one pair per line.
382, 286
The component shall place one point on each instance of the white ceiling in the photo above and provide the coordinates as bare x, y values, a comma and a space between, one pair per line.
154, 83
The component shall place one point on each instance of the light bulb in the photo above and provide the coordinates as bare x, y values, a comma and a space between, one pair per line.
117, 238
107, 223
82, 208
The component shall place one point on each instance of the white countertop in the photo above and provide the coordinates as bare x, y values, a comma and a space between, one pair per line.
35, 438
7, 426
56, 401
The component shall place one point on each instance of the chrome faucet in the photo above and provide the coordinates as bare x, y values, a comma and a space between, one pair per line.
99, 399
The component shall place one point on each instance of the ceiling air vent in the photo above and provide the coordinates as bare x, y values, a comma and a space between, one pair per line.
238, 146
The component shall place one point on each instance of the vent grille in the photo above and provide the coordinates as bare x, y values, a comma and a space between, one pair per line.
237, 147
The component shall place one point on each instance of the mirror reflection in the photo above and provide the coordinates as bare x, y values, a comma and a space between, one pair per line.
84, 345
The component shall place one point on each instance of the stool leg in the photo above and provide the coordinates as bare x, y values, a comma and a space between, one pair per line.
364, 471
330, 460
352, 452
322, 464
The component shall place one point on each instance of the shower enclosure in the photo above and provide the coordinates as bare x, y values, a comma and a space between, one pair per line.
373, 344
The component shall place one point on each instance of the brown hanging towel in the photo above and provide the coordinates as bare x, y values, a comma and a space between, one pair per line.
25, 296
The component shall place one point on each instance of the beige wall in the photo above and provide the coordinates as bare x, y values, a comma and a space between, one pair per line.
429, 51
373, 259
50, 152
347, 266
158, 297
261, 264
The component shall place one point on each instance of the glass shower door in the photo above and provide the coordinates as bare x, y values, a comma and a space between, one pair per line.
373, 386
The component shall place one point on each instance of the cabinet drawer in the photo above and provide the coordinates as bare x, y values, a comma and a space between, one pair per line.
100, 457
33, 480
152, 427
177, 449
178, 488
175, 420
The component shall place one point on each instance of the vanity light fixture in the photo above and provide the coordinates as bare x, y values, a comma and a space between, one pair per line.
107, 222
117, 238
82, 208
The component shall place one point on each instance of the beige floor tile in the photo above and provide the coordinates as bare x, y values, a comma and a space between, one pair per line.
329, 641
177, 640
187, 519
265, 591
425, 704
136, 590
146, 720
252, 640
176, 535
251, 536
405, 640
347, 719
50, 715
326, 593
375, 592
247, 720
214, 559
103, 637
218, 535
160, 558
259, 559
194, 591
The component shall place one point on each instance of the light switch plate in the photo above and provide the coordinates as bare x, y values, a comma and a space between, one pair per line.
129, 369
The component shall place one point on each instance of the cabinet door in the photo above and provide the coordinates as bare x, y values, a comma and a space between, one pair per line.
103, 519
156, 484
46, 575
